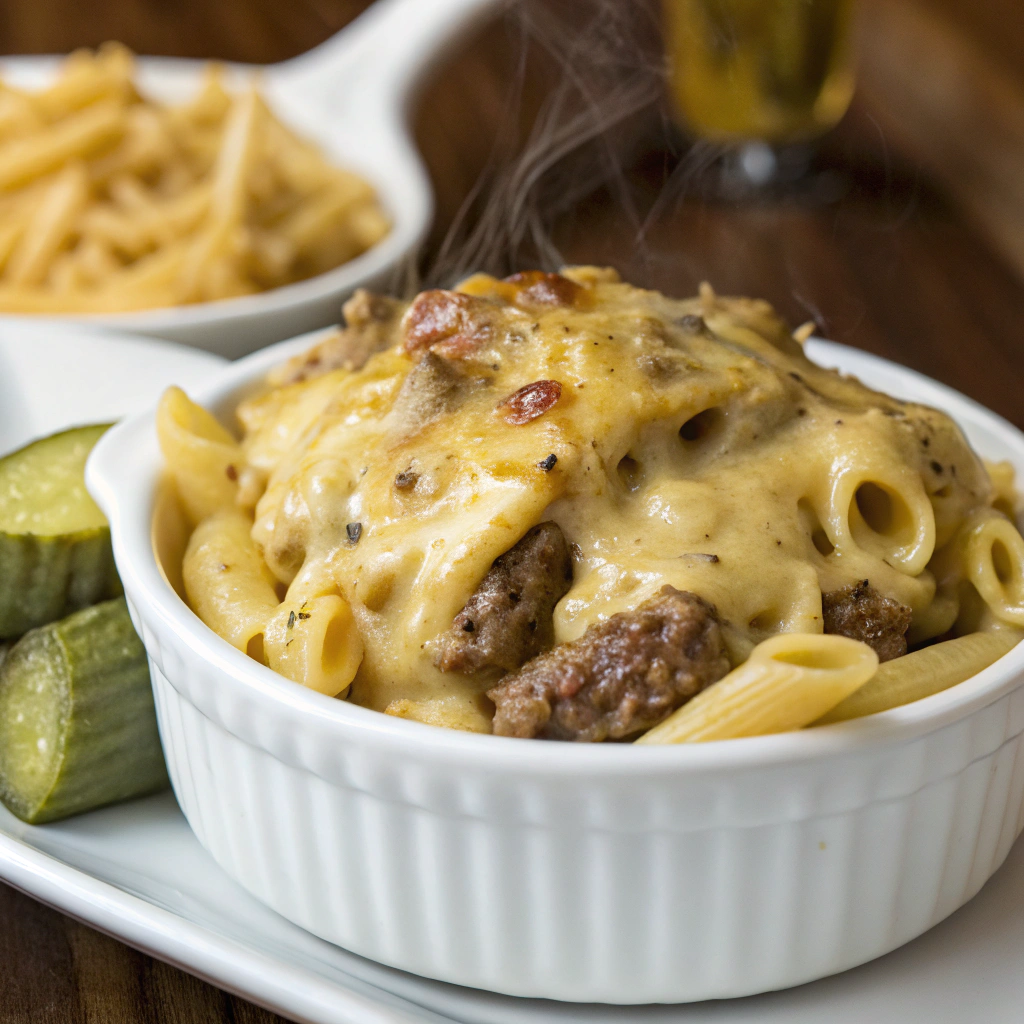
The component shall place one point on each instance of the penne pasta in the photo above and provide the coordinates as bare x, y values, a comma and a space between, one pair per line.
227, 582
202, 457
922, 673
467, 714
787, 682
993, 555
315, 642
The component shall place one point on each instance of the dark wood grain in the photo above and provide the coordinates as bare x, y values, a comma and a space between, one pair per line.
894, 267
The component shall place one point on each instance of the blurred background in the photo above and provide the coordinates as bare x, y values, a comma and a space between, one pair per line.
550, 135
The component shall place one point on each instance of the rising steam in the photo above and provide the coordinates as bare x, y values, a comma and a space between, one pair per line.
604, 58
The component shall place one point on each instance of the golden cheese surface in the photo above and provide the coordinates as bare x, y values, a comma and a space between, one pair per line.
687, 442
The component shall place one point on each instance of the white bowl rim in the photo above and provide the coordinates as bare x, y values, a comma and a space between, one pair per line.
129, 507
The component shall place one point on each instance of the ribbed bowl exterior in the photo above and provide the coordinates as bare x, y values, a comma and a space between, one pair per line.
603, 889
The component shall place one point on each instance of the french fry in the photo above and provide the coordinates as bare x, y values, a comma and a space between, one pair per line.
110, 202
228, 194
18, 117
10, 234
50, 227
146, 145
95, 261
66, 275
88, 79
78, 136
209, 106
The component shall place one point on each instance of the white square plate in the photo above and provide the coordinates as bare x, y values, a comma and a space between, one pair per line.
137, 872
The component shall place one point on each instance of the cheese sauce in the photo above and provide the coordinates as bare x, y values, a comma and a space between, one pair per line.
687, 442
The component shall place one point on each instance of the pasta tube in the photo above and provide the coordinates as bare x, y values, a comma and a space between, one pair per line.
227, 582
315, 642
203, 458
923, 673
993, 554
787, 682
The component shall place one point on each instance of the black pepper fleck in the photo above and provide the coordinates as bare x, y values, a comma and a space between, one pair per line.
406, 480
354, 531
468, 626
936, 466
291, 619
548, 464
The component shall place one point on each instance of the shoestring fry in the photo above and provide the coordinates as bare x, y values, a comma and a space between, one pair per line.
112, 202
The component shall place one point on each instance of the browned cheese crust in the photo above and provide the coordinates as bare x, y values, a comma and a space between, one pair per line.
507, 620
622, 677
862, 613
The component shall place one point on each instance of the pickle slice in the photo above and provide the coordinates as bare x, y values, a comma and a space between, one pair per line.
55, 552
77, 722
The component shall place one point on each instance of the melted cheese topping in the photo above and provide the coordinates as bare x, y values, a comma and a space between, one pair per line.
694, 445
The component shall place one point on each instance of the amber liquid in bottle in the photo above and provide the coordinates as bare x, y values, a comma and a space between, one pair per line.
778, 71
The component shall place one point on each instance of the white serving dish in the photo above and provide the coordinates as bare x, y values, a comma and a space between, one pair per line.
592, 873
137, 871
352, 95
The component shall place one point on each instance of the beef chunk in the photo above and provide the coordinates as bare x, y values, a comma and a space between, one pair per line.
371, 325
507, 620
622, 677
862, 613
434, 387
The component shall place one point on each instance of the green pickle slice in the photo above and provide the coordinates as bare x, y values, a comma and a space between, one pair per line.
77, 722
55, 554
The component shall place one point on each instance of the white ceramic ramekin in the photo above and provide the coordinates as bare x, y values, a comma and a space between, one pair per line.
612, 873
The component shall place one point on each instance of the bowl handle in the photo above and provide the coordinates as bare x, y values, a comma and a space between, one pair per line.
381, 57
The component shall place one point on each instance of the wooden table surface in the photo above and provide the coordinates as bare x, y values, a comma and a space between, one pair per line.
916, 262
